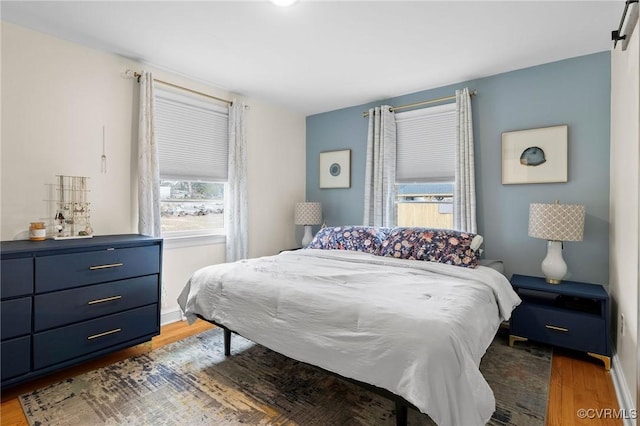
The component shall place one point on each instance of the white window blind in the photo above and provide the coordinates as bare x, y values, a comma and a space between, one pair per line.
192, 135
426, 142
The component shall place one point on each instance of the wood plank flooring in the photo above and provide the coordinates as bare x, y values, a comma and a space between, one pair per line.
577, 381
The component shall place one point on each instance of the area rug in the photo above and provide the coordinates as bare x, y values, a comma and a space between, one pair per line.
190, 382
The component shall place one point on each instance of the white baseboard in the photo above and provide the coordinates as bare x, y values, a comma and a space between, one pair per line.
167, 317
622, 390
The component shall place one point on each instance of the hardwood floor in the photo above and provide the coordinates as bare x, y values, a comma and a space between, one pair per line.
576, 382
579, 382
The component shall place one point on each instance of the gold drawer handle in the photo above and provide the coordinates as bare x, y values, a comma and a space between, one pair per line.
553, 327
106, 299
106, 333
111, 265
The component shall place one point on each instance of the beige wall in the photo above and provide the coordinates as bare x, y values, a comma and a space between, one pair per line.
56, 96
624, 190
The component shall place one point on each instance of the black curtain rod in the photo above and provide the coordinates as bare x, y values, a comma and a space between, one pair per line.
615, 34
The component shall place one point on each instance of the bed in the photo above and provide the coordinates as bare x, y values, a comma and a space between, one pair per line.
385, 315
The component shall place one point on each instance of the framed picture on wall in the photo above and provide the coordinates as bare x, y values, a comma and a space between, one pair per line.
535, 155
335, 169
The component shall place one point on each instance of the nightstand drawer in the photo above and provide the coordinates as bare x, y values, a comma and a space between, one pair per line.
15, 317
65, 343
79, 304
16, 357
16, 277
73, 270
573, 330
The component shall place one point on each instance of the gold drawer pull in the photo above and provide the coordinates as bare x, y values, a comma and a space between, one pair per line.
106, 333
553, 327
106, 299
111, 265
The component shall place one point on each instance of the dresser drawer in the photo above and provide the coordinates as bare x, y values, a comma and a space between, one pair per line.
16, 357
79, 304
65, 343
569, 329
16, 277
15, 317
73, 270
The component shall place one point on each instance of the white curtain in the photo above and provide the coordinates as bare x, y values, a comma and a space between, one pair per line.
464, 209
148, 169
236, 197
380, 172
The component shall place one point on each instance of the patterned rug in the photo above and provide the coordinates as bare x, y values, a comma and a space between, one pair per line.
190, 382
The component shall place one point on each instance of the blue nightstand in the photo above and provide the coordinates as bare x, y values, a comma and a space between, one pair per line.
571, 315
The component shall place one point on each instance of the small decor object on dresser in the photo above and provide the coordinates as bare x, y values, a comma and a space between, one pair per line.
72, 208
572, 315
37, 231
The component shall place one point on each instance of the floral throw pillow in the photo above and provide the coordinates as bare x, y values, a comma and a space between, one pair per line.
450, 247
433, 245
401, 243
367, 239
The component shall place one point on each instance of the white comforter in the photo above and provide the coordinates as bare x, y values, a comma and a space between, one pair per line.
418, 329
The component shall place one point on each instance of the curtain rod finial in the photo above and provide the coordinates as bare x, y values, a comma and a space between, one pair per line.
131, 74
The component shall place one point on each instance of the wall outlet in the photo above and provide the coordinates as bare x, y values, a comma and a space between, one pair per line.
622, 324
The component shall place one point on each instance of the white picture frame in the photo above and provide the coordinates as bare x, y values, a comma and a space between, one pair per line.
335, 169
535, 155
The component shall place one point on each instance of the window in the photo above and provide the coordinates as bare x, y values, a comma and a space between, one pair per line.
193, 150
425, 166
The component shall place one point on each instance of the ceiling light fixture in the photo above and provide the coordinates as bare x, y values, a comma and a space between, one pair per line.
283, 3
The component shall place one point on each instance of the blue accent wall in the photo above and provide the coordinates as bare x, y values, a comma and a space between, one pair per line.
575, 92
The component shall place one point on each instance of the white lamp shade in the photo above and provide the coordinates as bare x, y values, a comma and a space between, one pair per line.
556, 222
308, 213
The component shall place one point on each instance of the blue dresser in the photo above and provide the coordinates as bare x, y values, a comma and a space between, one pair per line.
64, 302
571, 314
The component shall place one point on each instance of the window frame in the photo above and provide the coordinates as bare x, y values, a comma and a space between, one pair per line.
193, 237
450, 111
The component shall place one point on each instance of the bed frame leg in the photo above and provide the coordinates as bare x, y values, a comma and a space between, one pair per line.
227, 342
401, 414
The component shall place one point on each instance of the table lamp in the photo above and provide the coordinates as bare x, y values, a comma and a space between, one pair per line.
307, 214
556, 223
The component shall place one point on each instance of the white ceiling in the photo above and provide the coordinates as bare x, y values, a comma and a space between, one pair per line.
317, 56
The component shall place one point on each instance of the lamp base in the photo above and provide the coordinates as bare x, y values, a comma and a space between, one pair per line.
554, 267
306, 239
